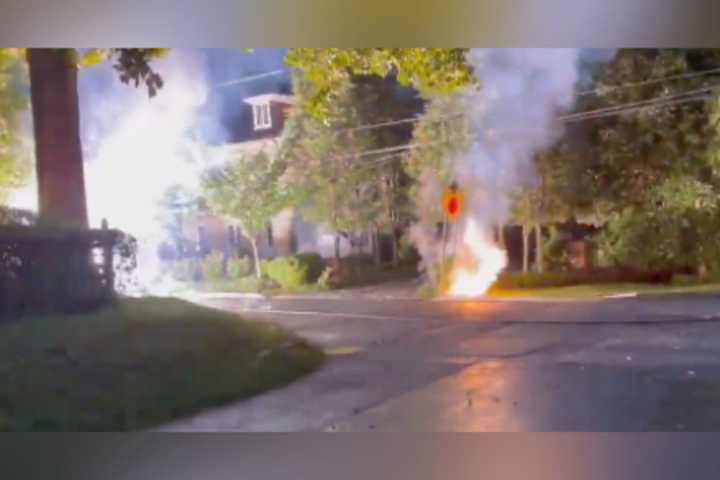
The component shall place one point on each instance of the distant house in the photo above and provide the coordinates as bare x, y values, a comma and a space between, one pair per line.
287, 233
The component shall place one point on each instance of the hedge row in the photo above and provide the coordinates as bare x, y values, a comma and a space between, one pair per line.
567, 279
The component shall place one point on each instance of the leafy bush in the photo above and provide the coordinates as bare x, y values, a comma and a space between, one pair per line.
566, 279
239, 267
675, 230
212, 267
248, 284
315, 263
295, 270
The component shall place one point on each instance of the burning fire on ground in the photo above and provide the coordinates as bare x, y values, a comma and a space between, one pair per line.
478, 262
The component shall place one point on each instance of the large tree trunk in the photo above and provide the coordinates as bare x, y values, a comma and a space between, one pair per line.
58, 153
256, 258
539, 246
526, 247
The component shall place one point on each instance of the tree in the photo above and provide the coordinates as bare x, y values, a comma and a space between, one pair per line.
14, 163
552, 198
176, 206
382, 100
248, 190
332, 185
430, 70
53, 85
445, 131
638, 149
652, 162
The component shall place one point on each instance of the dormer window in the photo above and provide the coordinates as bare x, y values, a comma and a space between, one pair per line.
261, 116
267, 106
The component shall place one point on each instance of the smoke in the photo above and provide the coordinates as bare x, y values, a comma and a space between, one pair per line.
138, 147
513, 117
135, 148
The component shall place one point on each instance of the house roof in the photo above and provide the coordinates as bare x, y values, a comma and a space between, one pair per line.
269, 97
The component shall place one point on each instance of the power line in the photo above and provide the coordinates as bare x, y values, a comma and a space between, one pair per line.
451, 115
689, 96
652, 81
250, 78
397, 148
661, 102
648, 102
448, 116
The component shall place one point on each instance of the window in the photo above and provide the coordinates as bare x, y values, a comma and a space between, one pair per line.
261, 116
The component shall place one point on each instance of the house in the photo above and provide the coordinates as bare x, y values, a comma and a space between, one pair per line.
288, 233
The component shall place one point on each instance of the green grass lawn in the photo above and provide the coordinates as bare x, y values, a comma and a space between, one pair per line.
137, 364
604, 290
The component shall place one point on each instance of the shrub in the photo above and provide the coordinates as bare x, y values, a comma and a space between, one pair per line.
248, 284
239, 267
295, 270
315, 263
566, 279
212, 267
264, 265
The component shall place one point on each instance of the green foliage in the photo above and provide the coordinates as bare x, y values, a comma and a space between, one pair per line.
212, 267
334, 178
248, 284
637, 151
15, 165
571, 278
315, 263
295, 270
248, 190
653, 173
445, 128
239, 267
328, 180
430, 70
132, 64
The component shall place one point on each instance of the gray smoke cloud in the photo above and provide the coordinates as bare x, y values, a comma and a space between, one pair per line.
513, 116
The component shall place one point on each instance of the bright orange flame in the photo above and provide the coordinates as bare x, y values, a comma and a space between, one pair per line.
479, 265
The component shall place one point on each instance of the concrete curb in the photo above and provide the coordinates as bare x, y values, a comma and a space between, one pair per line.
520, 300
330, 297
249, 296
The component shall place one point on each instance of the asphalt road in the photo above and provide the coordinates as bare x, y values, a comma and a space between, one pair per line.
397, 364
